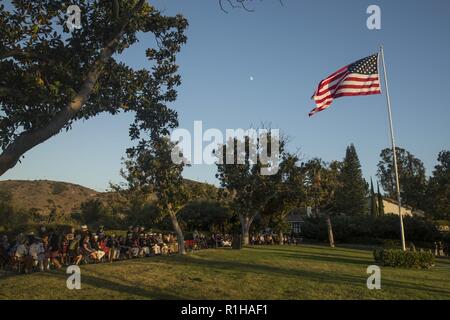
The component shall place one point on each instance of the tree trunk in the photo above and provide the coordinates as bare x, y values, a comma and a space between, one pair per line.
280, 235
29, 139
330, 231
179, 232
245, 225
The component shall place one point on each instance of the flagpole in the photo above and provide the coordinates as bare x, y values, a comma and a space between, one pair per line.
394, 153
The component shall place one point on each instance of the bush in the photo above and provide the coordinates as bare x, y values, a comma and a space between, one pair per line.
372, 230
58, 188
407, 259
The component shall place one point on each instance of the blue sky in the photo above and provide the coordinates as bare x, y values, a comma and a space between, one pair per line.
287, 50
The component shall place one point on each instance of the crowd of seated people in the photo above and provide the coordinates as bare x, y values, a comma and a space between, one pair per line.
271, 239
50, 249
219, 240
202, 241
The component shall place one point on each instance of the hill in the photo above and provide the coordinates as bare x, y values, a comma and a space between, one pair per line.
44, 195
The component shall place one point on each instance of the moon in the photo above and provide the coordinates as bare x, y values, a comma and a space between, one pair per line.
251, 78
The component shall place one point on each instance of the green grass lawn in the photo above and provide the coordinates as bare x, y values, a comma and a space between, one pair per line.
275, 272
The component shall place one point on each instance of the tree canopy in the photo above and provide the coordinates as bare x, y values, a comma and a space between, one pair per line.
51, 76
438, 193
411, 171
352, 193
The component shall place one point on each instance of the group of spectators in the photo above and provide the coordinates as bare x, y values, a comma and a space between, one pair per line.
51, 249
271, 239
201, 241
54, 249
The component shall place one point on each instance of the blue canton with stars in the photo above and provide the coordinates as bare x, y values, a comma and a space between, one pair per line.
368, 65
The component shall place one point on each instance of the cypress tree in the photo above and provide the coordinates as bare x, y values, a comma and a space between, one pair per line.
352, 191
373, 200
380, 201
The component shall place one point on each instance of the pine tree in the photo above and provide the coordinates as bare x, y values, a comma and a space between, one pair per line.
373, 200
380, 201
351, 196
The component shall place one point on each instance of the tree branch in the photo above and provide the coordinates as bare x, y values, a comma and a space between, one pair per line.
29, 139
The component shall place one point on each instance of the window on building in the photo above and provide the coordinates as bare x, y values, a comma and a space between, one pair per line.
296, 228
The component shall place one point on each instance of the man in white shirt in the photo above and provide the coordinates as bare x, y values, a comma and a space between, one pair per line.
21, 256
37, 253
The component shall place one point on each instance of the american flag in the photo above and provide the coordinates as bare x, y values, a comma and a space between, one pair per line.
357, 79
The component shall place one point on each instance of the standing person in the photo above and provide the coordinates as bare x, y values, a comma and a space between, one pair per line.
114, 248
69, 239
54, 249
74, 253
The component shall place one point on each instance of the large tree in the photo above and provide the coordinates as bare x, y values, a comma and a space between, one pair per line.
351, 197
288, 192
411, 172
150, 169
243, 183
51, 76
438, 192
321, 182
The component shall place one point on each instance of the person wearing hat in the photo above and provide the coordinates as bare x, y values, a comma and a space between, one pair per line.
85, 231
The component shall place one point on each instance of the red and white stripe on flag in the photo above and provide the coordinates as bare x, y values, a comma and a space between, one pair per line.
357, 79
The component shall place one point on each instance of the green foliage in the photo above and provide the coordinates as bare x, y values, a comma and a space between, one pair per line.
243, 185
321, 183
407, 259
11, 218
411, 171
149, 169
94, 213
52, 77
58, 188
438, 193
370, 229
147, 215
206, 216
152, 169
352, 192
288, 192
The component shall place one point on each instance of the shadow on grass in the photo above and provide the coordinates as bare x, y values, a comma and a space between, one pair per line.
147, 293
212, 265
315, 256
328, 277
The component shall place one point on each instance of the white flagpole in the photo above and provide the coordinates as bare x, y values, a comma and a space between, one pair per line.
397, 182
